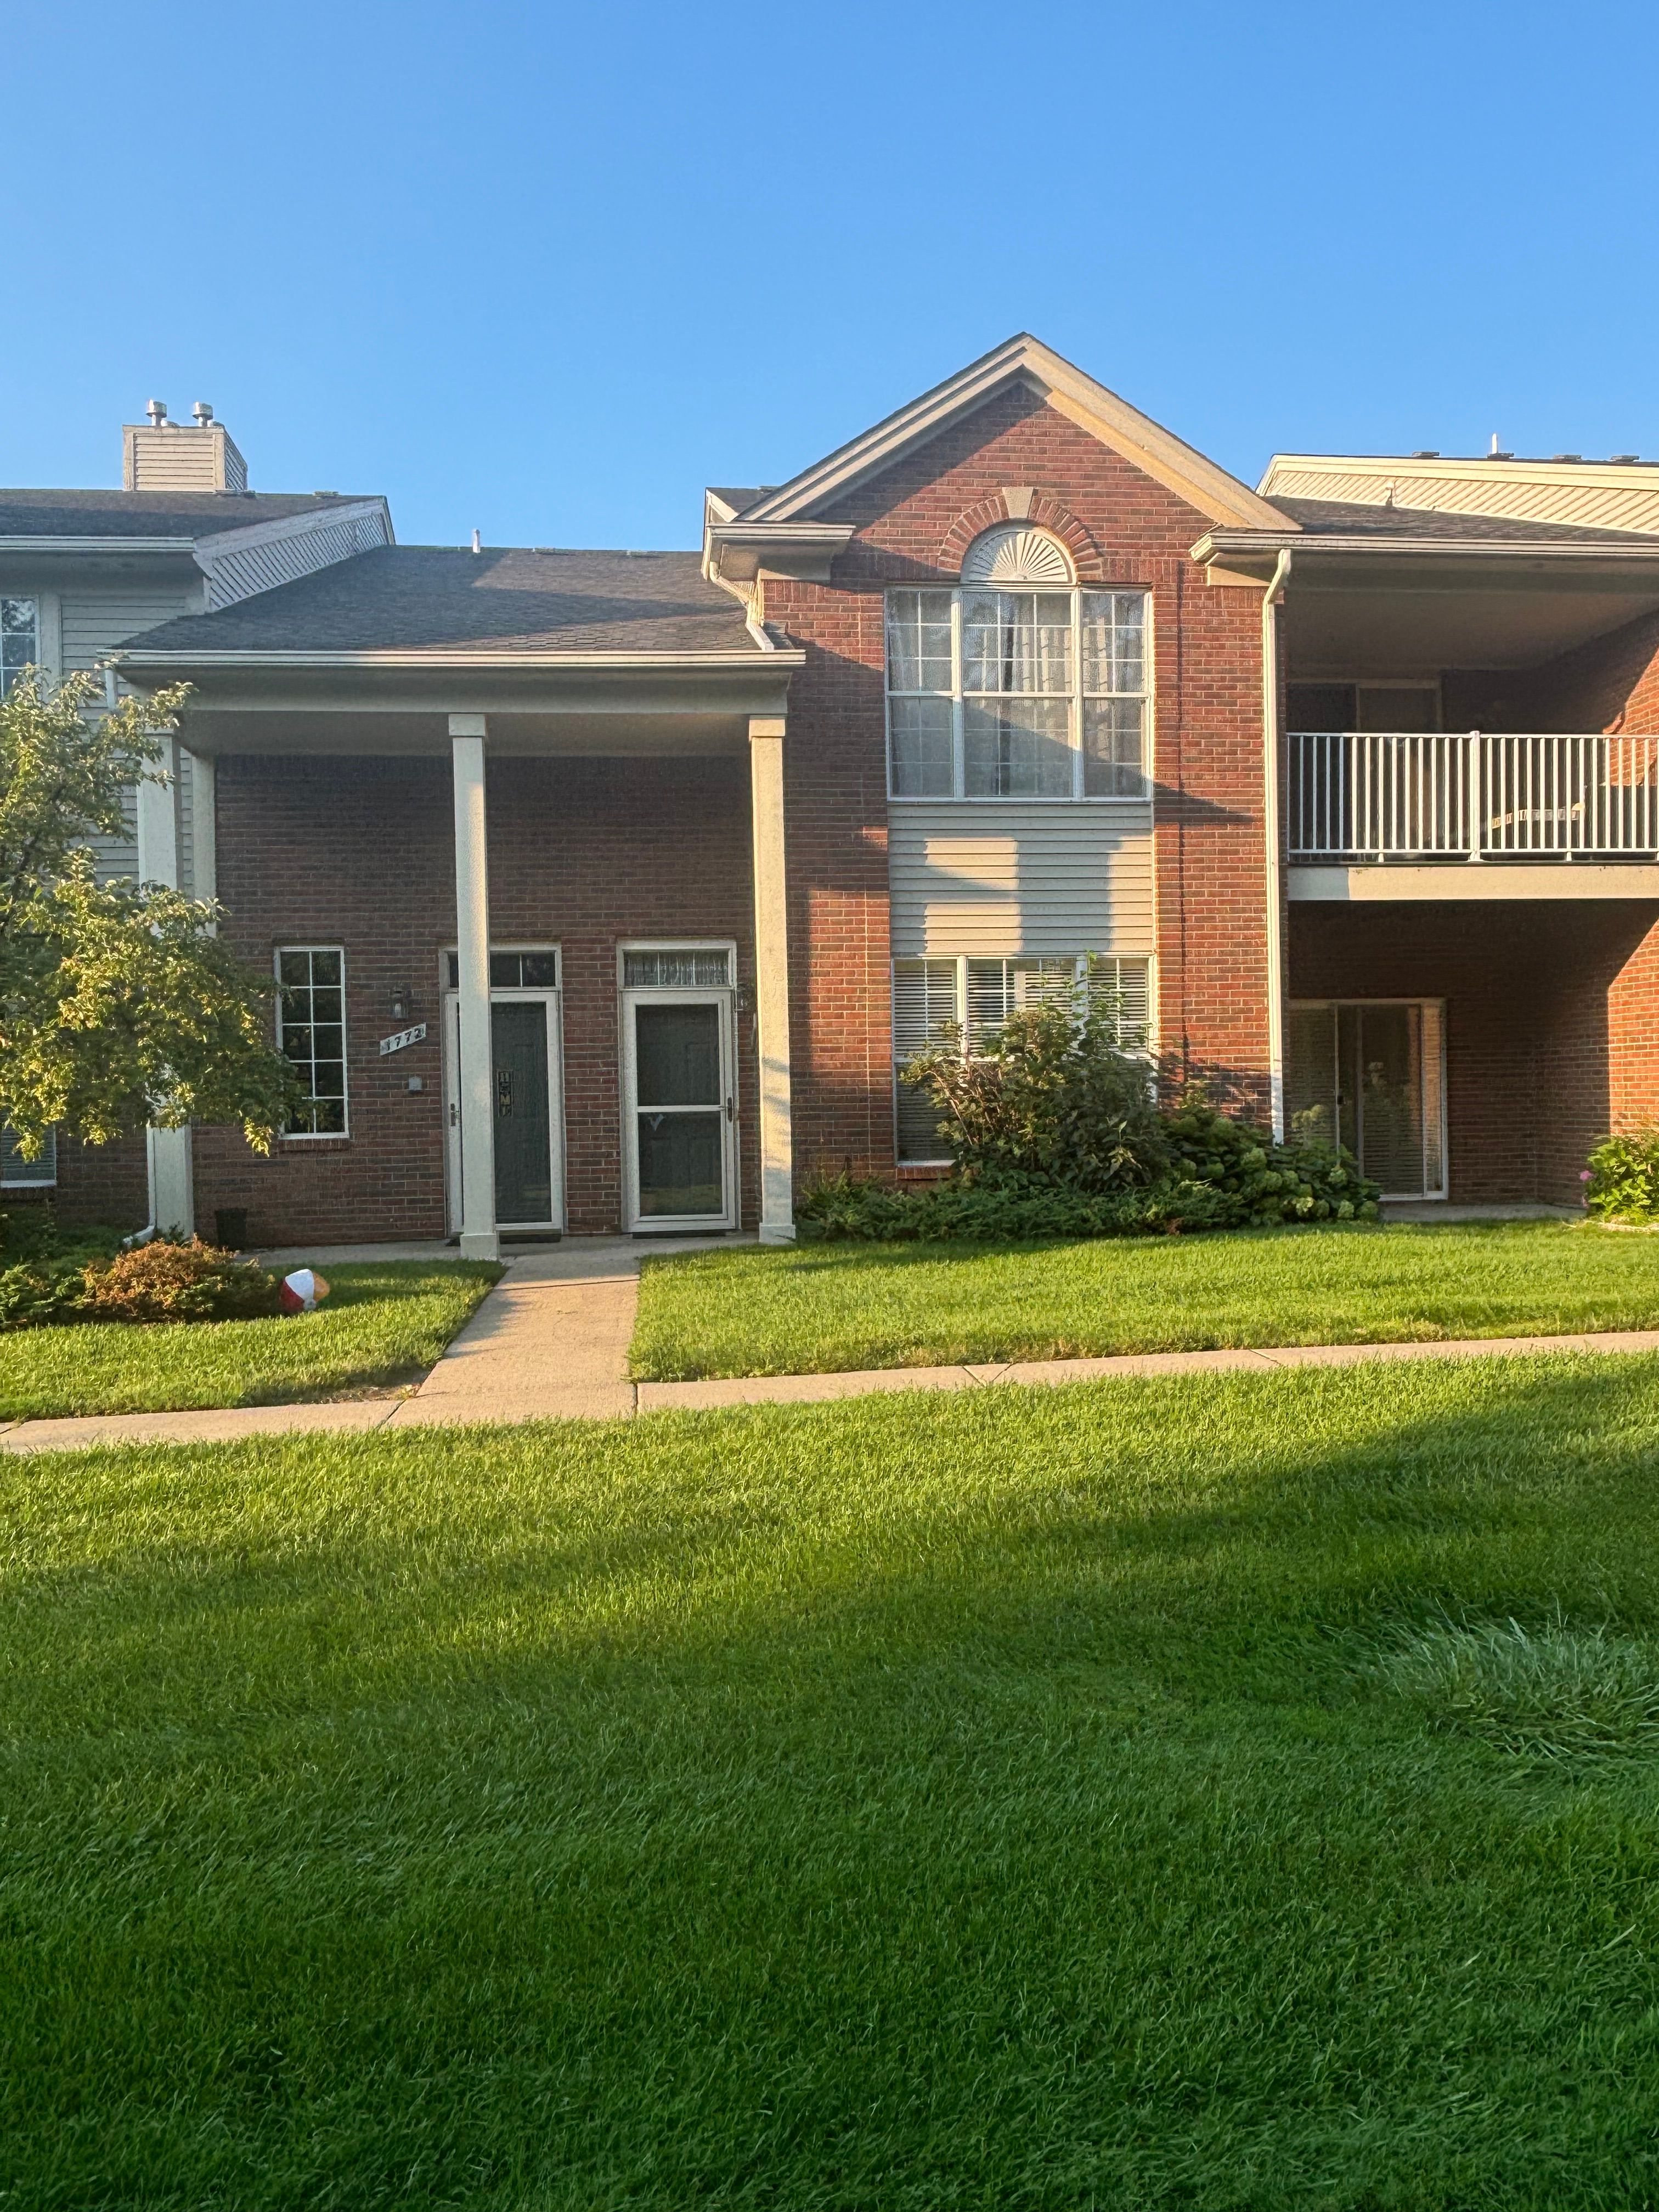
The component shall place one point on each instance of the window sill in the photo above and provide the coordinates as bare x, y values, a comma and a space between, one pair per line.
1015, 799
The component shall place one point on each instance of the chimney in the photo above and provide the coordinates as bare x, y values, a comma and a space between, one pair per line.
163, 456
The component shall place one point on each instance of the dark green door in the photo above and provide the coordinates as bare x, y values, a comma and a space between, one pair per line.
524, 1129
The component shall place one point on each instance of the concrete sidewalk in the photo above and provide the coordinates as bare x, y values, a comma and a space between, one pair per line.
551, 1343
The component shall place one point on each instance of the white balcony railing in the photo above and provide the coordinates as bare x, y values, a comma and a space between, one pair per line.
1378, 795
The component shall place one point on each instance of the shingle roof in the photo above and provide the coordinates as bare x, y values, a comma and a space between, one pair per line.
409, 598
1344, 517
185, 515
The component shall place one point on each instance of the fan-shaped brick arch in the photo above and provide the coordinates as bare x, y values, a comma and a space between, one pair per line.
1044, 512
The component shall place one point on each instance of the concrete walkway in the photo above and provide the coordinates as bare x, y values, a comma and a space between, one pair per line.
550, 1342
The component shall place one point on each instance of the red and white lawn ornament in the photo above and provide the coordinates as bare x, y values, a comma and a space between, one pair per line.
304, 1290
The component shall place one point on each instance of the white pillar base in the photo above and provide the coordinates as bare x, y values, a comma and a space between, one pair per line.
480, 1245
777, 1232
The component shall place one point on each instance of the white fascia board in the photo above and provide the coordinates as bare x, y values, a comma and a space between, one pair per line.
211, 545
1436, 881
1168, 459
775, 657
63, 545
736, 552
1217, 544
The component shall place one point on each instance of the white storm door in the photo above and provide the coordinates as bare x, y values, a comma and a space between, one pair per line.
680, 1109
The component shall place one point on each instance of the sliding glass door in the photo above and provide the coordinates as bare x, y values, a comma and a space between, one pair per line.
1370, 1074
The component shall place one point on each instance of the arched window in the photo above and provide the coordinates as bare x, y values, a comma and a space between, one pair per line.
1019, 684
1015, 553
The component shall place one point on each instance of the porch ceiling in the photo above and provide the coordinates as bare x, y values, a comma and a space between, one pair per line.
1384, 624
402, 705
1362, 607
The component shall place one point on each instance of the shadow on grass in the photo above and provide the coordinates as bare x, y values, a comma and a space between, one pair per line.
963, 1802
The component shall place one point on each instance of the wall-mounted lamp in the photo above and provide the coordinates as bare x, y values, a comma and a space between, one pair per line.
400, 1002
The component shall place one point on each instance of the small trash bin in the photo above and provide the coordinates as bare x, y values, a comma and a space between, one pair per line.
230, 1226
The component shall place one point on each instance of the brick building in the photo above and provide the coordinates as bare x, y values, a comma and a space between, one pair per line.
607, 890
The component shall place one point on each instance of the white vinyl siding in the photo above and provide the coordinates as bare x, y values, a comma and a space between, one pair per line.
95, 621
291, 551
973, 997
1020, 877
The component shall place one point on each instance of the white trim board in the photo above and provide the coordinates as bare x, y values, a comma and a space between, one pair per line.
1483, 879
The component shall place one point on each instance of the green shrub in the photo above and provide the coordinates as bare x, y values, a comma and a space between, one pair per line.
1621, 1182
164, 1281
1054, 1133
35, 1291
1050, 1095
1256, 1182
34, 1233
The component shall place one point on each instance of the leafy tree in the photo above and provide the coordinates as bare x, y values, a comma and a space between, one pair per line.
118, 1006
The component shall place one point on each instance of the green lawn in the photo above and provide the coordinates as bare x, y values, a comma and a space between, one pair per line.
383, 1323
818, 1308
1121, 1796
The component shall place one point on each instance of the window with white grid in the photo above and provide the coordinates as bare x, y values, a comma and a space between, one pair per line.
19, 640
311, 1031
968, 999
1016, 693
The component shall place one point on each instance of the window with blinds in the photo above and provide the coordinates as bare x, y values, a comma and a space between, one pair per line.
18, 1174
967, 1000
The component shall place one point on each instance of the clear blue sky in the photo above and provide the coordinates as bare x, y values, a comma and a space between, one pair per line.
549, 269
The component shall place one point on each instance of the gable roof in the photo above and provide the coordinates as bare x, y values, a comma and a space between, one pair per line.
180, 518
1022, 360
448, 601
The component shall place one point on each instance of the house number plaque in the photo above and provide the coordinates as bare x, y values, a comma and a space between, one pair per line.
404, 1037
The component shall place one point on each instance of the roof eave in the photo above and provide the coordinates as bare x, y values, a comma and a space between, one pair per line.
187, 658
1222, 545
59, 543
738, 552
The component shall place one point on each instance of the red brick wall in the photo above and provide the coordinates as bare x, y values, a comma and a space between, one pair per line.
360, 852
105, 1184
913, 525
1545, 1001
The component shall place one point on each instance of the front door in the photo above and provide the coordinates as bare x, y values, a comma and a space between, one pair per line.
680, 1109
526, 1105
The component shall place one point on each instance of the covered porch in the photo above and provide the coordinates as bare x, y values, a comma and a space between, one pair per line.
692, 1115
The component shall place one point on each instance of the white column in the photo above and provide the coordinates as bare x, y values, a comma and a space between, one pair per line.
168, 1152
203, 827
777, 1156
478, 1238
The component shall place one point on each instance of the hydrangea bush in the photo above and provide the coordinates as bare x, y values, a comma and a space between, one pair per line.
1053, 1131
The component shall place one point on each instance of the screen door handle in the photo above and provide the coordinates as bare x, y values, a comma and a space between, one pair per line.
731, 1110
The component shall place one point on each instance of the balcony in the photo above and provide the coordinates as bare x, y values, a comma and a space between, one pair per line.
1384, 814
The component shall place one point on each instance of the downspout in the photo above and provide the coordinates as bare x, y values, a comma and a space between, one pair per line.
1270, 775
